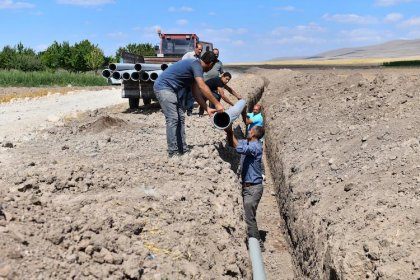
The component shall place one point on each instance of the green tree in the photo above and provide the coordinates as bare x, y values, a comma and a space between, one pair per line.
139, 49
109, 59
95, 59
57, 56
20, 58
26, 62
79, 56
8, 58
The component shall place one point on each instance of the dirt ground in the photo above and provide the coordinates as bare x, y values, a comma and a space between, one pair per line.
97, 198
344, 150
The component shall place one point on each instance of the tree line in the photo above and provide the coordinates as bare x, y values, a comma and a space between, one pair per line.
80, 57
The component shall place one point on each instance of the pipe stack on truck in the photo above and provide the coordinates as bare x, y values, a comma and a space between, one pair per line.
137, 79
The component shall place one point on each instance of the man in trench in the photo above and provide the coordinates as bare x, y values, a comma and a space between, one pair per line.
251, 151
169, 88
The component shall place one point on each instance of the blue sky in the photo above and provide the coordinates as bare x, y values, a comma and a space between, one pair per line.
242, 30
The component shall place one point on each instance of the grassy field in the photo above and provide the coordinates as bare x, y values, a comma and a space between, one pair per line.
14, 78
331, 62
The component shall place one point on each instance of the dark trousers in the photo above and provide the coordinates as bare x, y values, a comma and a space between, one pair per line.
252, 196
211, 105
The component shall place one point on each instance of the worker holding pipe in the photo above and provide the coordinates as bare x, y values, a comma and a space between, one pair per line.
169, 87
251, 151
255, 118
217, 86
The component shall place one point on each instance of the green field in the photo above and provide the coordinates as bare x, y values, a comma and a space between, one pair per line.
15, 78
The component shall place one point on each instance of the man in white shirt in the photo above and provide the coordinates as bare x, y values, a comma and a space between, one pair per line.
195, 54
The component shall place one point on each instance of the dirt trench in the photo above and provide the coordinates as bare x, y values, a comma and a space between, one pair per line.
343, 147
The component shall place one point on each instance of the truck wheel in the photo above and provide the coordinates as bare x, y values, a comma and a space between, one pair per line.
133, 102
147, 101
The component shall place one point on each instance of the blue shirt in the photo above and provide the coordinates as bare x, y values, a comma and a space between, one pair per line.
257, 120
179, 75
251, 156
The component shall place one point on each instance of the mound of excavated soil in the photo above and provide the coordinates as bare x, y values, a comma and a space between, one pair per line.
344, 150
103, 123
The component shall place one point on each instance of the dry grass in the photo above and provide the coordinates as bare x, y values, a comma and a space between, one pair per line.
332, 62
31, 94
8, 94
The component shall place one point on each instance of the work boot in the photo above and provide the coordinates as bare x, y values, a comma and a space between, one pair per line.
189, 112
174, 154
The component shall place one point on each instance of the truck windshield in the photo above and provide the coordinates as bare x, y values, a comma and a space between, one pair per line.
177, 46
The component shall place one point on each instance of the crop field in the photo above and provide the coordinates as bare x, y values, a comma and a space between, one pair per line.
334, 62
14, 78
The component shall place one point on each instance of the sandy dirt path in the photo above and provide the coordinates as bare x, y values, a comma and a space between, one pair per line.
22, 118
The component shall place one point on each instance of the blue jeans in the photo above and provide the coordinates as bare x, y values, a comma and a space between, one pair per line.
252, 196
173, 109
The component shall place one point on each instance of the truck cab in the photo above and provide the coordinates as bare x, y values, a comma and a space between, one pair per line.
176, 45
172, 47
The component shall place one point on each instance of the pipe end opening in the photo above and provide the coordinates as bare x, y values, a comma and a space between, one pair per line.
221, 120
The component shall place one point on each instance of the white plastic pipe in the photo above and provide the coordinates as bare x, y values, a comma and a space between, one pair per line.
116, 75
150, 66
126, 75
135, 76
106, 73
121, 66
154, 75
224, 119
258, 271
144, 76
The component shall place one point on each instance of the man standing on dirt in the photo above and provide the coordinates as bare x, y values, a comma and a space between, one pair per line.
214, 72
251, 152
169, 87
195, 54
217, 69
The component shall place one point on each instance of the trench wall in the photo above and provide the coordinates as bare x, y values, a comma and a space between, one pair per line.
343, 153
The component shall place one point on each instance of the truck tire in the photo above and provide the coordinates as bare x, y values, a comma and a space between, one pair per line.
147, 101
133, 102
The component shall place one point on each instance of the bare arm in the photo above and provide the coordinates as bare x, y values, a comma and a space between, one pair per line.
234, 93
231, 137
224, 97
200, 86
234, 140
248, 121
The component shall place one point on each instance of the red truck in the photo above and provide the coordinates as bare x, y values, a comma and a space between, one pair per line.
171, 49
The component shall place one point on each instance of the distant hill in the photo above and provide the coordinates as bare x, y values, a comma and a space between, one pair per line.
391, 49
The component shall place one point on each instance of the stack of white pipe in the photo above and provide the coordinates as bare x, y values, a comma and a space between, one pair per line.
135, 72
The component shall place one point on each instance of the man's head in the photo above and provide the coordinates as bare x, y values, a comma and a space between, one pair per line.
226, 77
208, 59
198, 49
256, 109
216, 52
256, 132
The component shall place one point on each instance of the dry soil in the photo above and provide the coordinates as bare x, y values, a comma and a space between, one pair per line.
94, 196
